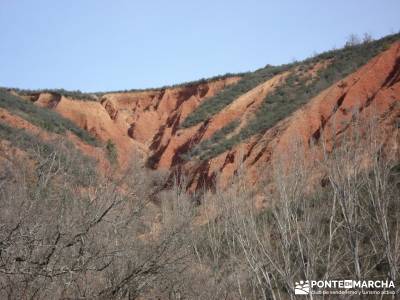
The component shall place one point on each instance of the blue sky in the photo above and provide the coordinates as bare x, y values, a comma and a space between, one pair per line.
100, 45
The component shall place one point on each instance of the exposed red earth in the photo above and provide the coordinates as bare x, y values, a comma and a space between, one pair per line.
146, 124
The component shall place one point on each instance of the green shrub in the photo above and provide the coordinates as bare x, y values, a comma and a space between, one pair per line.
207, 147
216, 103
112, 152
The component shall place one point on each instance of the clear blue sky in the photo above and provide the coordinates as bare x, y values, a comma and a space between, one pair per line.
99, 45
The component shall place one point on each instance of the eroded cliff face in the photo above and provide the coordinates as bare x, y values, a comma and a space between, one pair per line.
371, 94
167, 148
133, 120
147, 123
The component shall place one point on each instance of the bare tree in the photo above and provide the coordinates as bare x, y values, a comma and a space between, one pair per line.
59, 239
352, 40
367, 38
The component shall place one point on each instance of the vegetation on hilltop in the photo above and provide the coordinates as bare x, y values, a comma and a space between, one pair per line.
77, 94
298, 89
95, 96
183, 84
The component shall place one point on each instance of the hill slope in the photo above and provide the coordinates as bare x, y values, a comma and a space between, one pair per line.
207, 129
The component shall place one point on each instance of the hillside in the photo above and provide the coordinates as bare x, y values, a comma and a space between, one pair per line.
232, 187
371, 92
199, 128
